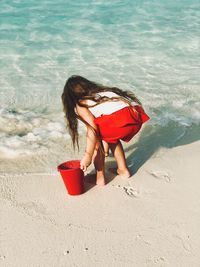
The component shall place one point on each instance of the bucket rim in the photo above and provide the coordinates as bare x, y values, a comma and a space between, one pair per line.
59, 167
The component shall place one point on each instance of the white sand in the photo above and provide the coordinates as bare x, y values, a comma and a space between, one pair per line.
151, 219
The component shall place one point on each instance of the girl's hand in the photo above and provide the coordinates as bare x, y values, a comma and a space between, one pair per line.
85, 162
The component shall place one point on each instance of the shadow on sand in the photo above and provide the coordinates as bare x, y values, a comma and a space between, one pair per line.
152, 138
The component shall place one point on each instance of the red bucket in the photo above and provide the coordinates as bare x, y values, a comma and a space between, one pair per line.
72, 176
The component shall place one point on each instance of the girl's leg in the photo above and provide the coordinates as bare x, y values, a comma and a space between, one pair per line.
106, 148
119, 155
99, 163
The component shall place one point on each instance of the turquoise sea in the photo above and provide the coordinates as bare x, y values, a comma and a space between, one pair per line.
149, 47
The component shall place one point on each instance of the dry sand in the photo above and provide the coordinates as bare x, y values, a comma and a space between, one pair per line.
151, 219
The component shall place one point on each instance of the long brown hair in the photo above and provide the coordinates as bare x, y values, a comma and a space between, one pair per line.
76, 90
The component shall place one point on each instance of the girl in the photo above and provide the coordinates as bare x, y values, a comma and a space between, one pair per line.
109, 114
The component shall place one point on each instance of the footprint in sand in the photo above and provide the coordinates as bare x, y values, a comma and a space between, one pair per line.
131, 192
162, 175
156, 261
33, 208
185, 242
2, 257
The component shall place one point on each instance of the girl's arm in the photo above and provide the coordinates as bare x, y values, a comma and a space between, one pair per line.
91, 140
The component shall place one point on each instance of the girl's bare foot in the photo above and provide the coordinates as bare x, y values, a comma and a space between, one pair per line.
100, 180
122, 173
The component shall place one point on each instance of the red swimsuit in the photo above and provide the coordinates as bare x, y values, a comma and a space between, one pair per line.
122, 124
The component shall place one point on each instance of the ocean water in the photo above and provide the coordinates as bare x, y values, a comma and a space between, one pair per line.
149, 47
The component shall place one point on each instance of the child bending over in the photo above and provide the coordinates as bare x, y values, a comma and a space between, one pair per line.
110, 115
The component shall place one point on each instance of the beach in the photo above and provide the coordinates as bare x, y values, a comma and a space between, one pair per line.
150, 219
150, 48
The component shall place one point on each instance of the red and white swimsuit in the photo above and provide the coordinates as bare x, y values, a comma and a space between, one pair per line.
116, 119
